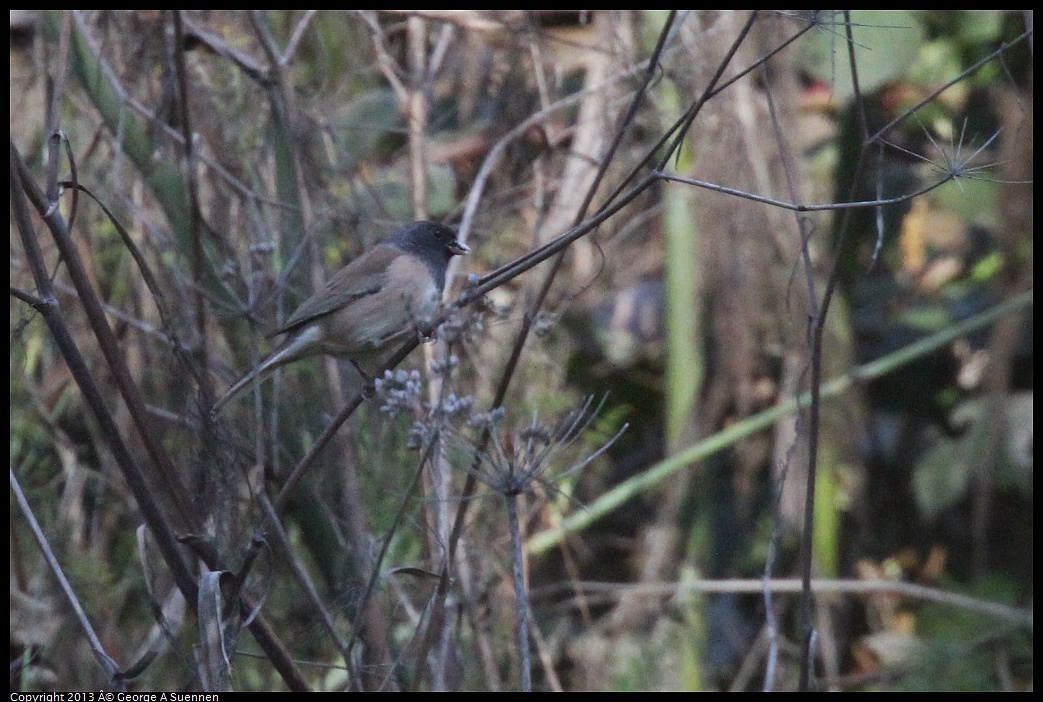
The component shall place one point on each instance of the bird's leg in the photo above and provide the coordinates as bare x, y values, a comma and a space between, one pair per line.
369, 385
366, 377
425, 330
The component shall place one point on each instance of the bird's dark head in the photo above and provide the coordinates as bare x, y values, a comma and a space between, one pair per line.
429, 240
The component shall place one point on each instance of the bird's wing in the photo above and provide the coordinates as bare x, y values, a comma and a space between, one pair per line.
364, 276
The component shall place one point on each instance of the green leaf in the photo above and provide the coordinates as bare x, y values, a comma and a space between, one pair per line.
887, 43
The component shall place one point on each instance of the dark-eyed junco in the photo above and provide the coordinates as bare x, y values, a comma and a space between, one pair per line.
371, 306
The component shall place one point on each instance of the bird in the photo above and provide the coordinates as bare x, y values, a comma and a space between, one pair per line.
369, 307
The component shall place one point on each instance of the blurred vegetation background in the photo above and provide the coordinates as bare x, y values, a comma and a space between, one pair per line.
243, 157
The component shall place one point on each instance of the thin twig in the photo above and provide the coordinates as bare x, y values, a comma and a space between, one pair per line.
1015, 615
104, 660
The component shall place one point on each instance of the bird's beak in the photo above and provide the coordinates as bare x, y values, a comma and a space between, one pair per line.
458, 248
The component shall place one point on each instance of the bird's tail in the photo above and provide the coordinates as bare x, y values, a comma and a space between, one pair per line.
292, 349
235, 389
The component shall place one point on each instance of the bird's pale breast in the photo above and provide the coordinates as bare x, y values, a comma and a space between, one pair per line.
408, 298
